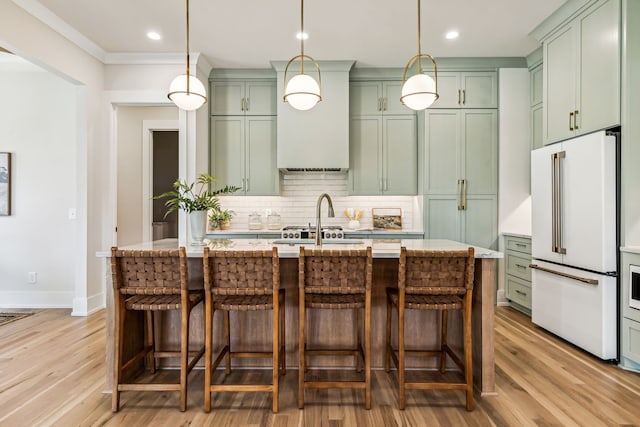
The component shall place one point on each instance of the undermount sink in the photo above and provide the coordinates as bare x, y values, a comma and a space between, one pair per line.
312, 242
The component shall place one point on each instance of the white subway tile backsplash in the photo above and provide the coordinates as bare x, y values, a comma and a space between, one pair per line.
299, 194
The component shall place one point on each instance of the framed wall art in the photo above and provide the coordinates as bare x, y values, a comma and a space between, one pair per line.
5, 184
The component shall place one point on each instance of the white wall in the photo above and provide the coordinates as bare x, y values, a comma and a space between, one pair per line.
514, 207
38, 122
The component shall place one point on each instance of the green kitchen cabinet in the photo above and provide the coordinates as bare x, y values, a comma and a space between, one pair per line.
467, 89
536, 105
236, 97
383, 155
475, 224
243, 153
582, 73
376, 98
461, 175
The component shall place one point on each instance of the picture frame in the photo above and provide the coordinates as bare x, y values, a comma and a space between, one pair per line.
5, 184
387, 219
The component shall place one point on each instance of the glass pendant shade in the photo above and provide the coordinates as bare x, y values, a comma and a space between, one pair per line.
419, 92
302, 92
190, 99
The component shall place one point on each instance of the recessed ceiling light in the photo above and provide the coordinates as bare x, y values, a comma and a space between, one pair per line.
302, 36
451, 35
154, 35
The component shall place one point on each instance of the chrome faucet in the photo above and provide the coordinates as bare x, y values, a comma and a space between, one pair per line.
331, 215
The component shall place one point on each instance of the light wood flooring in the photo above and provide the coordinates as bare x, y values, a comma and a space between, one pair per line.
52, 373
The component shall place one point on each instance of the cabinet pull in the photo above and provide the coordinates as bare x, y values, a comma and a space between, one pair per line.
575, 120
464, 96
521, 245
524, 267
464, 194
571, 120
567, 275
459, 194
380, 185
384, 105
243, 188
379, 104
247, 186
386, 184
459, 93
247, 104
521, 293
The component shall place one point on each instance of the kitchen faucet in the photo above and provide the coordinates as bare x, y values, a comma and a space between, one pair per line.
331, 215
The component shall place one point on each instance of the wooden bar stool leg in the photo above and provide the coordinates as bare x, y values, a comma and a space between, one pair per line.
283, 334
359, 327
387, 347
401, 361
275, 369
151, 357
367, 351
117, 347
443, 340
468, 362
227, 342
184, 355
208, 348
301, 345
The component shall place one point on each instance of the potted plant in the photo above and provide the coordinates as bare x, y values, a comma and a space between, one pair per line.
220, 218
195, 199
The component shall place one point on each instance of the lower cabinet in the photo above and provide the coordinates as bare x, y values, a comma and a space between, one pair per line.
517, 280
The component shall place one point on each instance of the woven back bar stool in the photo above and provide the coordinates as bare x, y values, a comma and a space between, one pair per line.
336, 280
433, 280
243, 281
152, 281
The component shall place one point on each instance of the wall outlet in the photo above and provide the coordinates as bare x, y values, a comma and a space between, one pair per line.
32, 277
73, 213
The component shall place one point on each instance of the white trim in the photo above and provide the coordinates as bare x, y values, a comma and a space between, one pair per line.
87, 306
148, 127
44, 299
40, 12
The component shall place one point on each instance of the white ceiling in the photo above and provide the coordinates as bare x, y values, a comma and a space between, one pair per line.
250, 33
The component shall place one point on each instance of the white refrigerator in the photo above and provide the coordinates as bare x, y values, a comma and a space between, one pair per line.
574, 242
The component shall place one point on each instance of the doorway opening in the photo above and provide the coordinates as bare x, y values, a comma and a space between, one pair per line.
165, 172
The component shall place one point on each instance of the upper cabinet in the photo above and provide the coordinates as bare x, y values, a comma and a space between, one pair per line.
536, 105
376, 97
231, 97
582, 73
467, 89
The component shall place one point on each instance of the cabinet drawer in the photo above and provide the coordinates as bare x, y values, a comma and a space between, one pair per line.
519, 291
519, 244
631, 339
519, 266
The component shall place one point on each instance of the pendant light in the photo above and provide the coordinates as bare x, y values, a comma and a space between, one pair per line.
302, 92
420, 91
186, 91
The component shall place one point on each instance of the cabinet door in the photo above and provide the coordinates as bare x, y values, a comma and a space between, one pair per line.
480, 221
480, 152
400, 155
535, 76
449, 90
226, 97
364, 155
536, 127
479, 90
261, 172
599, 94
391, 93
442, 218
227, 150
560, 64
260, 98
365, 98
442, 151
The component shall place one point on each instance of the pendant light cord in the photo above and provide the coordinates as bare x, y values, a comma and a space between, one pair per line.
188, 56
419, 40
302, 36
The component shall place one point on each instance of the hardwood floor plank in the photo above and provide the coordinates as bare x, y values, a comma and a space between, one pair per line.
52, 374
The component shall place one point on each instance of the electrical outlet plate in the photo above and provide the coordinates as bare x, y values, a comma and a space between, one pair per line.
32, 277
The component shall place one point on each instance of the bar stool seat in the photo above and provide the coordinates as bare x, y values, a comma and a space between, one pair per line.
439, 281
335, 280
152, 281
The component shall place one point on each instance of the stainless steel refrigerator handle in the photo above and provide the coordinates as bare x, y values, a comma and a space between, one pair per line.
554, 207
459, 194
561, 250
567, 275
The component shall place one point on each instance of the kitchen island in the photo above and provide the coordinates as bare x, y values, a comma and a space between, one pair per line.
420, 330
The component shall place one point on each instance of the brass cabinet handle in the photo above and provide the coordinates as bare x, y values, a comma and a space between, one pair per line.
521, 245
521, 266
247, 188
521, 293
379, 104
464, 194
384, 105
247, 104
459, 92
575, 120
567, 275
459, 194
571, 120
464, 96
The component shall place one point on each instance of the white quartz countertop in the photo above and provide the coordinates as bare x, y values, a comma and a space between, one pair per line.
380, 248
508, 233
346, 230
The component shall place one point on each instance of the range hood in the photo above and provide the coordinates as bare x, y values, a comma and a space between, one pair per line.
316, 140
